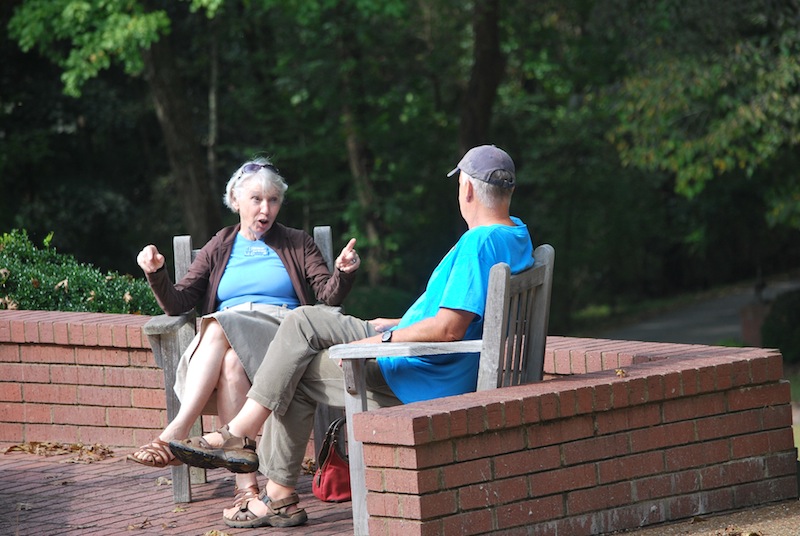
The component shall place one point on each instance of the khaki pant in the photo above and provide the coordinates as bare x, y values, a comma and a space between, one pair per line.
297, 374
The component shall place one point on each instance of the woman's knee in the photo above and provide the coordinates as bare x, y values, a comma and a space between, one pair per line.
232, 368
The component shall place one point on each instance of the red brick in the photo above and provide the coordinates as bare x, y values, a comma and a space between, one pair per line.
672, 385
12, 432
149, 398
52, 432
50, 393
468, 523
781, 464
476, 420
14, 412
654, 487
598, 498
11, 372
142, 358
758, 396
598, 448
512, 413
133, 377
731, 424
697, 455
548, 406
115, 437
489, 444
93, 416
630, 467
720, 476
32, 373
779, 416
760, 492
558, 432
462, 474
135, 418
531, 410
602, 397
47, 354
657, 437
431, 505
528, 513
492, 493
584, 402
102, 356
565, 479
526, 461
10, 392
433, 454
637, 391
41, 413
103, 396
409, 482
9, 353
683, 409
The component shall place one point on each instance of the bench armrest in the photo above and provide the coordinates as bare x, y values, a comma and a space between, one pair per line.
165, 324
392, 349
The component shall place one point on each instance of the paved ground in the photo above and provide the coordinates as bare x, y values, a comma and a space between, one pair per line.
48, 496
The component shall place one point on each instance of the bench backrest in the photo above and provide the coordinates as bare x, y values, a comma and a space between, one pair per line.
515, 323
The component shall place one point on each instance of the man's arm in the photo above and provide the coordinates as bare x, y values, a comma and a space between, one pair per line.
447, 325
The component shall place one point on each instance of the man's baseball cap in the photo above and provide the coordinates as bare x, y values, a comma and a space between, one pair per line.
481, 162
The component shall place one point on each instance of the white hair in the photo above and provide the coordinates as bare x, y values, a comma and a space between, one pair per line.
265, 174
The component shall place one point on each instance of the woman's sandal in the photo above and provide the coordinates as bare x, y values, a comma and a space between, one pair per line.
236, 454
276, 516
154, 454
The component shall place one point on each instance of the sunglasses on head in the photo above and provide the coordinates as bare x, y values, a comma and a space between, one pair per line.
252, 167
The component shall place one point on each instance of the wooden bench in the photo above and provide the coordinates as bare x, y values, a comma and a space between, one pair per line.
511, 352
170, 335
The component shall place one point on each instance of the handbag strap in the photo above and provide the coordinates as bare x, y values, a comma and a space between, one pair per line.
332, 440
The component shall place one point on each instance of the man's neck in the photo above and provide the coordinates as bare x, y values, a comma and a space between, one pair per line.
491, 218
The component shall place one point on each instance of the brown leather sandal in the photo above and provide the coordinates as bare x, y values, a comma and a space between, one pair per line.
277, 514
236, 454
154, 454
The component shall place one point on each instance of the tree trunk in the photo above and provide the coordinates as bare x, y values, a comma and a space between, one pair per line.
359, 158
189, 164
488, 66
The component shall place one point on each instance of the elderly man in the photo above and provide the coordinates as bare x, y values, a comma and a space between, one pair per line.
296, 374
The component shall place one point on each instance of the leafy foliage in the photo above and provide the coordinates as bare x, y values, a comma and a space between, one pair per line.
43, 279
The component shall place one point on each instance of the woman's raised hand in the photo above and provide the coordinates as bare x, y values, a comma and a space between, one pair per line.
149, 259
348, 260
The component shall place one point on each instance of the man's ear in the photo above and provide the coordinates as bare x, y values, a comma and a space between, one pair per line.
469, 192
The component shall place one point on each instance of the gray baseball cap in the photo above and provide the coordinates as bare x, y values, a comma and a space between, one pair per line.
481, 162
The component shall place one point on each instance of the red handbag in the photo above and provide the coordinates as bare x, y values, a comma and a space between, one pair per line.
332, 480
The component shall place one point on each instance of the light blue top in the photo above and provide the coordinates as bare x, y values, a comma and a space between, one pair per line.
255, 273
460, 281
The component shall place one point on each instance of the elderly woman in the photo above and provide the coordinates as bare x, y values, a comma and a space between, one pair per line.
245, 280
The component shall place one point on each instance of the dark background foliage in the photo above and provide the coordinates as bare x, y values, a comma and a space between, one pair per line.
655, 141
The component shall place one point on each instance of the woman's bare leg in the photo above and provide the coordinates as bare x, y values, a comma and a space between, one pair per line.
231, 395
202, 378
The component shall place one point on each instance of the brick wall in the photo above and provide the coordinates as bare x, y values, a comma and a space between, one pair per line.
627, 434
622, 434
78, 377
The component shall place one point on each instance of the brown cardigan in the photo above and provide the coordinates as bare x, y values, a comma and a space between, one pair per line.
300, 255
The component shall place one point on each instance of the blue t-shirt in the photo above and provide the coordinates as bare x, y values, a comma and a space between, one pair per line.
460, 281
255, 273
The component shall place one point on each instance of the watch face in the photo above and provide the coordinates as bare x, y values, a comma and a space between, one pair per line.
387, 336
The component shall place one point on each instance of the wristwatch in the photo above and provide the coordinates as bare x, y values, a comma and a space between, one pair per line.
387, 336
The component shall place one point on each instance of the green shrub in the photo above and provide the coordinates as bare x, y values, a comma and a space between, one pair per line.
45, 280
780, 329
